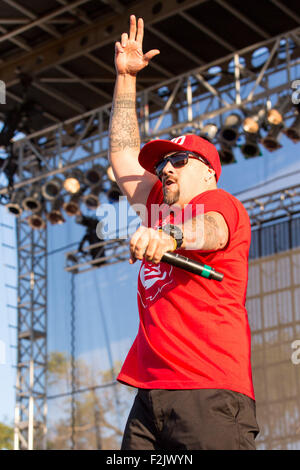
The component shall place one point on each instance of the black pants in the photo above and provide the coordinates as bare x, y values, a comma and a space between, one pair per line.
202, 419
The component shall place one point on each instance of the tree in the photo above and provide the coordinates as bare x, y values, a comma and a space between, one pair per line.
6, 437
98, 410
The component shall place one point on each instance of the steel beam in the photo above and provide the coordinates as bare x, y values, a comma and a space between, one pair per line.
243, 18
73, 44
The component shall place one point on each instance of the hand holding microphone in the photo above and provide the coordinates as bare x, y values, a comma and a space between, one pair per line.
158, 246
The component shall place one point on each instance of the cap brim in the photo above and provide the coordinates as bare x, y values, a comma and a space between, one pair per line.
154, 151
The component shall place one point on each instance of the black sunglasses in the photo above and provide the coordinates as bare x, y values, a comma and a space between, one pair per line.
178, 160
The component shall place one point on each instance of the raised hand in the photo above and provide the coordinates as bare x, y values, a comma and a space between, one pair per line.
129, 56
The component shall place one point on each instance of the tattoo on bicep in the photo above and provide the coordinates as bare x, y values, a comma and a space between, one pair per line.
210, 230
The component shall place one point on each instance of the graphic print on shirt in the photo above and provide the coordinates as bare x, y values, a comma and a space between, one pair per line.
154, 278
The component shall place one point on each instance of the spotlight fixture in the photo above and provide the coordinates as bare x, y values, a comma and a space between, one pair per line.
73, 181
91, 200
209, 132
275, 115
32, 202
110, 174
270, 142
250, 148
114, 193
55, 216
251, 124
94, 175
51, 189
15, 204
226, 155
229, 132
36, 221
293, 132
72, 207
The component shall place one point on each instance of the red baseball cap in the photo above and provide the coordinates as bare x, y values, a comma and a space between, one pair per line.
154, 151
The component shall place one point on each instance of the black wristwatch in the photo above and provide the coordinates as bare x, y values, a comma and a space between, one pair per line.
174, 232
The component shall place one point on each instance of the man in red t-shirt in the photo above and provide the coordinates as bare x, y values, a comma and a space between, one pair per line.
190, 360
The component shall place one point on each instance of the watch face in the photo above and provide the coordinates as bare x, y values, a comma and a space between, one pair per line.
174, 232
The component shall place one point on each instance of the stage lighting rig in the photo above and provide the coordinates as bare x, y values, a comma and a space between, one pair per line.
271, 141
92, 238
55, 216
36, 221
293, 132
114, 193
14, 206
73, 181
91, 200
52, 188
94, 175
209, 132
230, 130
33, 201
72, 206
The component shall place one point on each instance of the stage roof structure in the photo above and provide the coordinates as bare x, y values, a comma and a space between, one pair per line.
64, 50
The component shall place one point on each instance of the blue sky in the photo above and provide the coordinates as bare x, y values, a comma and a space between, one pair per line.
106, 310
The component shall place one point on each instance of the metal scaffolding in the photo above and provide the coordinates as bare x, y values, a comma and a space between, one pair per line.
175, 106
31, 411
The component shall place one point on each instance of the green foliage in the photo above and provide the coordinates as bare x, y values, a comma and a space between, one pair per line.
6, 437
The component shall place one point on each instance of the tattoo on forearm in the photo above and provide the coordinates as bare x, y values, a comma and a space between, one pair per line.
124, 130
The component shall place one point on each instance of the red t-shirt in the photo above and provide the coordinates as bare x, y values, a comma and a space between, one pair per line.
194, 332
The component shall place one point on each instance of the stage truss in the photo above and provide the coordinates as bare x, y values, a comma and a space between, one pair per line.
175, 106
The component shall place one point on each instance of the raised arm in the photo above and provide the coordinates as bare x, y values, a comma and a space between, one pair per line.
124, 136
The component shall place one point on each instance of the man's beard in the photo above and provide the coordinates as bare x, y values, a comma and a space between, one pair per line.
171, 197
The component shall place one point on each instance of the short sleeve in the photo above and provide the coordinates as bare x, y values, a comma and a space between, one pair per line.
220, 201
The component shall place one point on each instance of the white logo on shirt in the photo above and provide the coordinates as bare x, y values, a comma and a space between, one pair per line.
154, 278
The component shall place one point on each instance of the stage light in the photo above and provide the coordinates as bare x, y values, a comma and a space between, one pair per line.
209, 132
250, 148
72, 207
114, 193
270, 142
14, 207
226, 155
229, 132
110, 174
293, 132
252, 123
91, 200
275, 115
73, 181
55, 216
51, 189
32, 202
36, 221
94, 175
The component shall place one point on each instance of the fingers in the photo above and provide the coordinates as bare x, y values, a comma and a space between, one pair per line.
124, 39
150, 244
118, 47
140, 31
138, 243
151, 54
132, 29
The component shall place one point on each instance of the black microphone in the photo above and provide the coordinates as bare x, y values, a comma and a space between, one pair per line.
192, 266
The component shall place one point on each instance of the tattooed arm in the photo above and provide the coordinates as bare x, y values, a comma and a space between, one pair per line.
124, 138
207, 232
